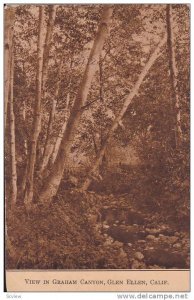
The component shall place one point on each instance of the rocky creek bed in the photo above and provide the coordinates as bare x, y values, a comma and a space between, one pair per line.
142, 240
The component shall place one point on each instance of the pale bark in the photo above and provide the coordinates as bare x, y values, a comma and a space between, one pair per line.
126, 104
23, 184
47, 46
61, 133
9, 13
24, 119
37, 112
48, 145
173, 75
51, 186
12, 138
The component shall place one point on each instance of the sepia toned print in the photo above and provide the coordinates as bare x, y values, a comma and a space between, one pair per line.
97, 136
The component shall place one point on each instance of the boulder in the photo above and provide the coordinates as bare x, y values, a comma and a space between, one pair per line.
122, 253
150, 237
177, 246
139, 256
141, 241
117, 244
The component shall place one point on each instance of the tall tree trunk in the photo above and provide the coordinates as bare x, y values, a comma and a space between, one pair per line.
51, 186
8, 39
37, 112
12, 136
47, 148
61, 133
127, 102
173, 75
48, 39
23, 183
25, 140
47, 46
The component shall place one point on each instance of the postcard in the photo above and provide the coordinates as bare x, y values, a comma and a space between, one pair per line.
97, 147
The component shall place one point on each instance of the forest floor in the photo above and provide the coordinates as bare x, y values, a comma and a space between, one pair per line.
98, 230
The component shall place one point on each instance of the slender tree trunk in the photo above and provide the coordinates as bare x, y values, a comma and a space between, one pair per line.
127, 102
56, 146
37, 112
12, 135
173, 75
48, 145
48, 39
23, 184
25, 140
101, 93
47, 46
51, 186
61, 133
9, 23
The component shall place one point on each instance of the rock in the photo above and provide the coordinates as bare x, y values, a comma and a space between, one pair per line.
163, 227
105, 234
141, 241
177, 246
135, 264
129, 244
168, 239
117, 244
138, 256
105, 226
122, 253
150, 237
105, 207
164, 239
154, 267
153, 231
107, 243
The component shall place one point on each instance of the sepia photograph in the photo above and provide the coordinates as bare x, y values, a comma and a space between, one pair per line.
97, 136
